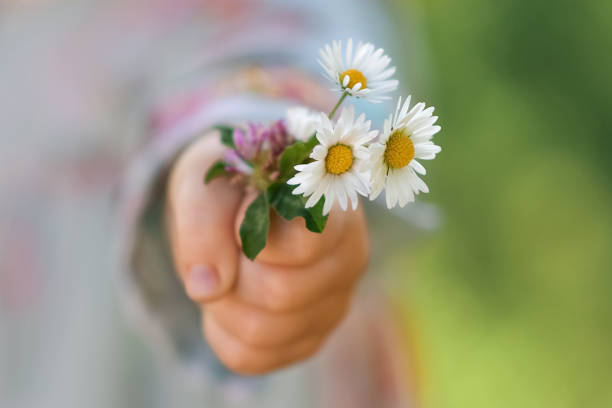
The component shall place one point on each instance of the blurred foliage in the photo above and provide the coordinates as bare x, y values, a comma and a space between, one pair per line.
513, 294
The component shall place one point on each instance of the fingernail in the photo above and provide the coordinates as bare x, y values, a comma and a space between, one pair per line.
203, 281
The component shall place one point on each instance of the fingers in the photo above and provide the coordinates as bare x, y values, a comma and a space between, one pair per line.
247, 360
200, 221
286, 288
264, 329
262, 315
290, 243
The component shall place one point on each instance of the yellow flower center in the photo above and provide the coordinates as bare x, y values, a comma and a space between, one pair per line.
339, 159
400, 150
355, 77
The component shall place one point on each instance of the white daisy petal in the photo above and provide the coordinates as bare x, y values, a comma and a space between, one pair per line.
424, 135
316, 196
329, 202
362, 71
390, 193
349, 49
301, 122
405, 108
302, 167
341, 194
418, 167
426, 150
421, 123
354, 199
363, 186
342, 178
378, 184
319, 152
406, 137
418, 184
397, 108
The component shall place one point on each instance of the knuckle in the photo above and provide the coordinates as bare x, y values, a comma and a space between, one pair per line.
237, 357
279, 296
243, 361
237, 361
308, 349
331, 320
253, 331
310, 248
312, 349
212, 333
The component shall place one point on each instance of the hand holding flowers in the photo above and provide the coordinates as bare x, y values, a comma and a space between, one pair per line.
258, 315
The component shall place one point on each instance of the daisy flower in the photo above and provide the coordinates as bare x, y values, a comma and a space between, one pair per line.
337, 170
363, 74
406, 137
301, 122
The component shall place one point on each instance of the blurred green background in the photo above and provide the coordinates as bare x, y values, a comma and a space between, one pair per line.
512, 295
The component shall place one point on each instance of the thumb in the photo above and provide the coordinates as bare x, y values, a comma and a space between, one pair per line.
200, 221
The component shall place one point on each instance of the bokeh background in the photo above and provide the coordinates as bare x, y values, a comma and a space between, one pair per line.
506, 297
512, 295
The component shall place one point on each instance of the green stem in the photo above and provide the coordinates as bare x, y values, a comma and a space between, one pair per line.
333, 112
259, 180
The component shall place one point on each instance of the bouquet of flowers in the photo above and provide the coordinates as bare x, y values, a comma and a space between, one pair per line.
303, 164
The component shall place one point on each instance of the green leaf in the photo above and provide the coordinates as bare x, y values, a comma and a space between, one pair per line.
315, 220
227, 135
255, 226
289, 206
284, 202
216, 170
297, 153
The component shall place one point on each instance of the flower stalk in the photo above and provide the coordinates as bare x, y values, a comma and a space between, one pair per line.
342, 98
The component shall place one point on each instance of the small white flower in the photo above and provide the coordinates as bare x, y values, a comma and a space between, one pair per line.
406, 137
301, 122
338, 169
363, 74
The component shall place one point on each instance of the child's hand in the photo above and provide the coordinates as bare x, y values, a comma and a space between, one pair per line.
263, 315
